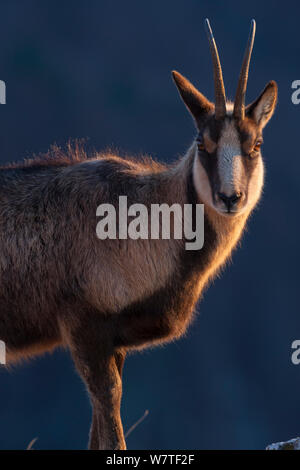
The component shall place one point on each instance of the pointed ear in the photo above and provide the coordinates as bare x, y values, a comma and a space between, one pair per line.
197, 104
262, 109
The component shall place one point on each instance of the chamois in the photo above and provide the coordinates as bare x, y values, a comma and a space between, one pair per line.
61, 285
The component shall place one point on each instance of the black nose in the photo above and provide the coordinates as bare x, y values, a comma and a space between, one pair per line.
230, 201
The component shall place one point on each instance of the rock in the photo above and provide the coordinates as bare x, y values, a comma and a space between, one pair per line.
293, 444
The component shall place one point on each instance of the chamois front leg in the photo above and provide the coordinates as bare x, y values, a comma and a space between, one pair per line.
100, 366
105, 388
97, 427
94, 442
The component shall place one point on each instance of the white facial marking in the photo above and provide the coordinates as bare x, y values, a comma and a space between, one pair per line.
231, 172
201, 182
256, 184
230, 165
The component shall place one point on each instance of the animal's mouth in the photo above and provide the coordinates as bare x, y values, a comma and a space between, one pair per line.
228, 212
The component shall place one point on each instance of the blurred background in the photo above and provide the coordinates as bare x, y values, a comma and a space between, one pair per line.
101, 70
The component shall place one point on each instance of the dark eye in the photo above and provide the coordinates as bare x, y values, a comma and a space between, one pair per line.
200, 142
257, 145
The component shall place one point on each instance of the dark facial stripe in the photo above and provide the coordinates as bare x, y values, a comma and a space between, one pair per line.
247, 133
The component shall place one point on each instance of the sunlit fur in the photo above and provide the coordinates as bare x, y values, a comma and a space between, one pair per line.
61, 285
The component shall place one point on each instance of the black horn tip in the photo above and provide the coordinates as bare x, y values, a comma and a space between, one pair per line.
208, 27
176, 75
252, 27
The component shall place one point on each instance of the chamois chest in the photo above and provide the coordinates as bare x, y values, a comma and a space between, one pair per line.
166, 313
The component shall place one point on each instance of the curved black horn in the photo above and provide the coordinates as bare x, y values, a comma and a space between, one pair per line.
220, 97
239, 102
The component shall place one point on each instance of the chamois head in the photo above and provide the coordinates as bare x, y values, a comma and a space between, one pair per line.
228, 169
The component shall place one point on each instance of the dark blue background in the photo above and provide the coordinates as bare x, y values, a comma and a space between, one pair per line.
101, 69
